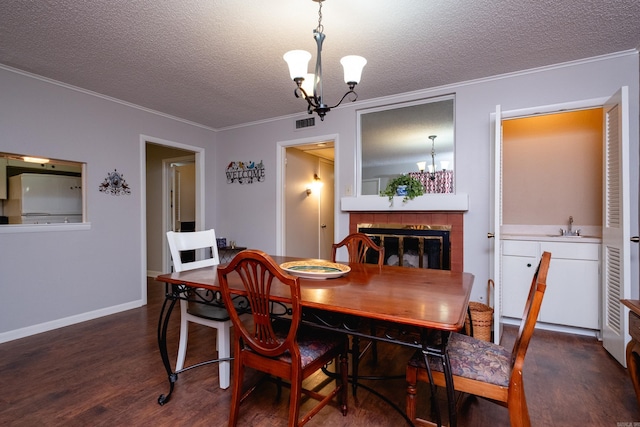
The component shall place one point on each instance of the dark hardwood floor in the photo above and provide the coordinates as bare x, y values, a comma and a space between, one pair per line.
108, 372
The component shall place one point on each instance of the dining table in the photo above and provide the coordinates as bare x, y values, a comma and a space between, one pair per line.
400, 305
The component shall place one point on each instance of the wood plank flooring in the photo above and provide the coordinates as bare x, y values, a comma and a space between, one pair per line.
108, 372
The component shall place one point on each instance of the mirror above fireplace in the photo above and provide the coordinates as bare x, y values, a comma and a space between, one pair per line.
393, 139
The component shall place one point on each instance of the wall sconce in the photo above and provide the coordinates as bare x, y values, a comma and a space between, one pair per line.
421, 166
315, 185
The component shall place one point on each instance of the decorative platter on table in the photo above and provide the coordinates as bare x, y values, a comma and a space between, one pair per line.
315, 269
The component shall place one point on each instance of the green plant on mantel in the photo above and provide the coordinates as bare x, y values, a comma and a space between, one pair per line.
413, 186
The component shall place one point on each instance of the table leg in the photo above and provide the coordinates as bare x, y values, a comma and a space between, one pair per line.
355, 362
163, 323
446, 365
434, 400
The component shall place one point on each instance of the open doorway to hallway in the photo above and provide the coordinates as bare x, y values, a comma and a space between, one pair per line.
166, 206
309, 200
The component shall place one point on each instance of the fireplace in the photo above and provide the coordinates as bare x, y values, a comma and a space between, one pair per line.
411, 245
451, 221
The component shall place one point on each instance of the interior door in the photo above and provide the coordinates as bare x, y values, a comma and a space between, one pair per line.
616, 262
301, 209
495, 244
326, 209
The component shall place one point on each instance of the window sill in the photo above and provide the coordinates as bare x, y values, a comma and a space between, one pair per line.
31, 228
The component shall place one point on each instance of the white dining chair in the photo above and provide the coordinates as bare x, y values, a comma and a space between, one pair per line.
203, 314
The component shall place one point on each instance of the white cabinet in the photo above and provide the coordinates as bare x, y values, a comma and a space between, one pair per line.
519, 262
572, 297
573, 285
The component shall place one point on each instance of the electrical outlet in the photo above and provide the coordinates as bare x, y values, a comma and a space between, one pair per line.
348, 190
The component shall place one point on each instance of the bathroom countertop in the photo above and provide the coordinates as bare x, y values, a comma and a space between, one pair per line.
552, 238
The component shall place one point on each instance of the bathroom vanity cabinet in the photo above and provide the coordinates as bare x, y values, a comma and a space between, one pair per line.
573, 295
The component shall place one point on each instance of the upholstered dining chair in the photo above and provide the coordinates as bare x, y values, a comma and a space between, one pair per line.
485, 369
279, 347
215, 317
358, 246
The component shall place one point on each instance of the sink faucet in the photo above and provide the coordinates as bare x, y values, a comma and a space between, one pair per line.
569, 231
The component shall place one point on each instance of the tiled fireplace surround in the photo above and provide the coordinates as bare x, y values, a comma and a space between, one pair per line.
454, 219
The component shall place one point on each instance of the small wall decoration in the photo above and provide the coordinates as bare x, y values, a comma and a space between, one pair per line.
115, 184
245, 172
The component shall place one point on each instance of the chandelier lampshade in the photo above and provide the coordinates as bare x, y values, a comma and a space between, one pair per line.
353, 65
298, 61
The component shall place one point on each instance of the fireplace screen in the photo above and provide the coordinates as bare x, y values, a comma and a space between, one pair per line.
418, 246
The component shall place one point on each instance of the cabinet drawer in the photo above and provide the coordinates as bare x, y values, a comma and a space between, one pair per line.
520, 248
634, 326
586, 251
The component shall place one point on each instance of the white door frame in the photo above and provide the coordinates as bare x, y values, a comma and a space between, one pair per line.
200, 191
281, 156
496, 120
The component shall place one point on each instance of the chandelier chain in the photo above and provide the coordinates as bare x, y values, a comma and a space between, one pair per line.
320, 27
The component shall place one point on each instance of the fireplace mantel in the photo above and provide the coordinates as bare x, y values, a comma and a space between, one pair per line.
426, 203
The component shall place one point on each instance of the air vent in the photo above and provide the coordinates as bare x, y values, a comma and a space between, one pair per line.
305, 123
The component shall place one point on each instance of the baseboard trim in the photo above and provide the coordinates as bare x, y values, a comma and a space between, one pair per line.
556, 328
67, 321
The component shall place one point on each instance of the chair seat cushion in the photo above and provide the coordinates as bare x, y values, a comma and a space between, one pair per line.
472, 358
211, 312
215, 310
313, 344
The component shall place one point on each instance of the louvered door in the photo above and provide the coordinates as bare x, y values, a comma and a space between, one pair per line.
616, 228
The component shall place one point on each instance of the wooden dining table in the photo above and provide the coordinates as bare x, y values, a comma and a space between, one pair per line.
406, 305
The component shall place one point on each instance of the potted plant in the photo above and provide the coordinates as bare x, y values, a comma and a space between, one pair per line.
403, 185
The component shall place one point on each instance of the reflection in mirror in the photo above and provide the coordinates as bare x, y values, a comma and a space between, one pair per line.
37, 190
395, 140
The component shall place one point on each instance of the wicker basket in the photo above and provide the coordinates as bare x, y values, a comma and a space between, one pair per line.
482, 318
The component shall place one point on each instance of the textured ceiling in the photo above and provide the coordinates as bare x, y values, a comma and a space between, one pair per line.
219, 62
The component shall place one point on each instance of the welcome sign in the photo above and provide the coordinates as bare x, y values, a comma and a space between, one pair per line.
245, 172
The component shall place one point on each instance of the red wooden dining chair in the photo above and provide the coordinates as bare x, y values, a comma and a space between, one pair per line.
485, 369
358, 246
280, 348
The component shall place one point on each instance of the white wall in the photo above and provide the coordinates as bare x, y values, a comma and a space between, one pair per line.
50, 279
249, 211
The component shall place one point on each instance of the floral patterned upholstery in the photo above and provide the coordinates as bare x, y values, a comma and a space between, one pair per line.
312, 344
472, 358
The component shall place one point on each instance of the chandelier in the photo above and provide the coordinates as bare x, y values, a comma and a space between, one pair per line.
309, 86
432, 167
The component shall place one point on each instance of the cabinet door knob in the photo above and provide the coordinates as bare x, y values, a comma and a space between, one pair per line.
635, 239
490, 235
529, 264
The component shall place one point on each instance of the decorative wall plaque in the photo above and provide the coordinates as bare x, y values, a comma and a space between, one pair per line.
245, 172
115, 184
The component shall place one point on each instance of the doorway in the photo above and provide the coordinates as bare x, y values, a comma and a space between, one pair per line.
156, 213
615, 255
306, 198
